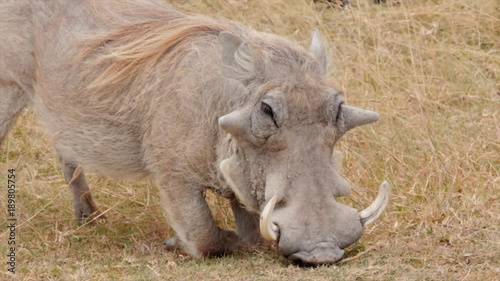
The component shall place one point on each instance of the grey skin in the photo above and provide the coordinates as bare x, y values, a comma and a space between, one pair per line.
134, 89
306, 206
290, 154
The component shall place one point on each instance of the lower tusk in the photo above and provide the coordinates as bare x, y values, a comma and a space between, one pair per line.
267, 228
371, 213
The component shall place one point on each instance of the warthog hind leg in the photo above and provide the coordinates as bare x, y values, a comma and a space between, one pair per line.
85, 207
12, 101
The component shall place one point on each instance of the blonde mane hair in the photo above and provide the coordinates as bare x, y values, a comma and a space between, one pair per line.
138, 40
141, 33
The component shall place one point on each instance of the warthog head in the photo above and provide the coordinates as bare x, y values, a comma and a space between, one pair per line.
281, 165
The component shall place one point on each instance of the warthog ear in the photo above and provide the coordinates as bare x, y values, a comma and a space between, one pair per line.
237, 123
237, 58
354, 117
318, 49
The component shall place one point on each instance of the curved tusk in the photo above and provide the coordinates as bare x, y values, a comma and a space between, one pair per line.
371, 213
267, 228
224, 166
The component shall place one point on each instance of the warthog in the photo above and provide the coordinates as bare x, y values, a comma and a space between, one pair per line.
135, 89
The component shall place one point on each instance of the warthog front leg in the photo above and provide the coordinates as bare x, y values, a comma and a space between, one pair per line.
85, 207
247, 225
189, 215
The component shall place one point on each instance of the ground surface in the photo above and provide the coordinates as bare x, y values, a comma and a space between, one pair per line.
432, 70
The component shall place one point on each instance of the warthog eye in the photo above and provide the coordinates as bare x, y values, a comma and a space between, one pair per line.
339, 111
268, 110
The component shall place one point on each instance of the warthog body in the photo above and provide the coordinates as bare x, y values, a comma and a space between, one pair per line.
136, 89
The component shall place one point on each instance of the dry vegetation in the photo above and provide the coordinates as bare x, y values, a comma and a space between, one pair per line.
431, 68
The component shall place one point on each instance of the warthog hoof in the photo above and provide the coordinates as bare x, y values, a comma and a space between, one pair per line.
86, 211
172, 244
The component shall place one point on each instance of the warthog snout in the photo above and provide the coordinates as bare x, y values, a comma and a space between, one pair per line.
322, 254
298, 238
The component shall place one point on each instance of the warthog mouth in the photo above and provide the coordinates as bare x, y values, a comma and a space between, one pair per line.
323, 253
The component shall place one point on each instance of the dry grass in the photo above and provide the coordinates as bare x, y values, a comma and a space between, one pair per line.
431, 68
